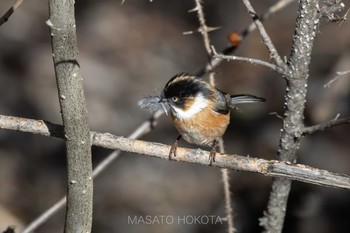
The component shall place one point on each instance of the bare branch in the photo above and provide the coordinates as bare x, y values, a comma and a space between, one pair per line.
203, 28
266, 38
236, 162
74, 115
225, 174
340, 74
250, 60
10, 11
305, 31
214, 62
45, 216
273, 168
326, 125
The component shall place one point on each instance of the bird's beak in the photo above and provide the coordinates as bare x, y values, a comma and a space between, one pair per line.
162, 102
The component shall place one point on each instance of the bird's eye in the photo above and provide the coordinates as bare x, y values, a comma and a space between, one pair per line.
175, 99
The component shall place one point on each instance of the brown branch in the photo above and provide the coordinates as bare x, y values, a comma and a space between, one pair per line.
273, 168
325, 125
10, 11
74, 115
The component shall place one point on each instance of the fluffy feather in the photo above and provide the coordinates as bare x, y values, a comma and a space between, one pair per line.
153, 104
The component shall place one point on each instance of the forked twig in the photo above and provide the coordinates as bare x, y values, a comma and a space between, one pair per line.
266, 38
215, 61
325, 125
250, 60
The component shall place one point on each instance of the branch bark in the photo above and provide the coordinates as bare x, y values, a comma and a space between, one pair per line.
325, 125
74, 115
293, 125
273, 168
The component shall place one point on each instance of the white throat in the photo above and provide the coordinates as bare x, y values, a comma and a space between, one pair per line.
199, 103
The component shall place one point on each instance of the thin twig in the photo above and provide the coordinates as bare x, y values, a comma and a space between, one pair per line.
10, 11
325, 125
45, 216
273, 9
250, 60
266, 38
224, 172
214, 62
340, 74
203, 28
273, 168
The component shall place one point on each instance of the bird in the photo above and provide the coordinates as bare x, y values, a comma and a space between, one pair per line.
199, 111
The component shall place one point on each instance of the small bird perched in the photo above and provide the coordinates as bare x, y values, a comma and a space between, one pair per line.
199, 111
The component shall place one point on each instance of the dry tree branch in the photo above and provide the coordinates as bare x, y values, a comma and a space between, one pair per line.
215, 61
203, 28
305, 31
45, 216
225, 174
10, 11
272, 168
250, 60
74, 115
340, 74
325, 125
266, 38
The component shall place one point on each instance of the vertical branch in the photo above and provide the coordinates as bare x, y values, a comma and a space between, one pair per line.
266, 38
74, 115
293, 125
204, 30
225, 174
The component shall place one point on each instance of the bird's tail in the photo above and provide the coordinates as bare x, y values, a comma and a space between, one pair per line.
244, 99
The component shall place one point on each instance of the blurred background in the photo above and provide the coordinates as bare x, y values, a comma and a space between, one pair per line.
129, 51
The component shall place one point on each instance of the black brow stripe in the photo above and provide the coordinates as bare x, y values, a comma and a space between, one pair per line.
185, 88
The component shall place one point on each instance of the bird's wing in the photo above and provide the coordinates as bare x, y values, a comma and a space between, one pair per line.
221, 105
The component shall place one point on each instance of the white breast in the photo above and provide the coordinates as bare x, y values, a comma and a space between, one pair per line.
199, 103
